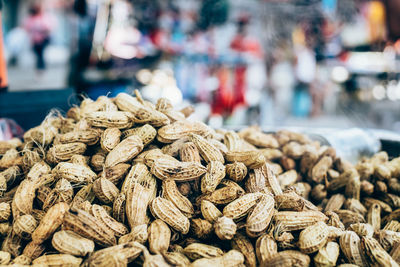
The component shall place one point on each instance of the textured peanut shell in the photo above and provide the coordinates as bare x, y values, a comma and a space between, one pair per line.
313, 237
5, 257
33, 250
328, 255
209, 211
89, 137
146, 132
224, 195
109, 119
225, 228
5, 211
241, 206
159, 237
231, 258
208, 151
58, 260
165, 210
101, 214
351, 247
213, 177
23, 198
198, 250
201, 228
105, 190
64, 152
137, 201
288, 258
242, 244
265, 248
125, 151
292, 220
89, 227
69, 242
110, 139
24, 226
179, 171
138, 233
260, 217
236, 171
171, 192
50, 222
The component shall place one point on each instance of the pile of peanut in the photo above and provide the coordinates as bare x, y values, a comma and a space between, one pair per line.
121, 181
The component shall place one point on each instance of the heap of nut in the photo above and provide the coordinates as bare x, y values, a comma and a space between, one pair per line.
121, 181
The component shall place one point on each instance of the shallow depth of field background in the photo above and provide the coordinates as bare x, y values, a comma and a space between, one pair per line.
329, 63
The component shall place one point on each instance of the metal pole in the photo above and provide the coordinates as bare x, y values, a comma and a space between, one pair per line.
3, 65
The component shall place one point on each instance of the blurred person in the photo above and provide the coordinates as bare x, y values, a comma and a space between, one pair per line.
248, 49
249, 74
304, 67
39, 26
281, 81
81, 25
319, 89
15, 42
223, 97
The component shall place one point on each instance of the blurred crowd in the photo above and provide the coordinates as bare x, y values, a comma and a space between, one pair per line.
241, 62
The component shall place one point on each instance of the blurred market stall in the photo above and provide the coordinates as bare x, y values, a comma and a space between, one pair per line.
309, 63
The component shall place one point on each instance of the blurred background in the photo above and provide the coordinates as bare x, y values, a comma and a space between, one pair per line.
277, 63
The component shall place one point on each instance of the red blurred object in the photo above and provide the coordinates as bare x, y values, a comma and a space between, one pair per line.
244, 45
247, 44
240, 86
344, 56
223, 98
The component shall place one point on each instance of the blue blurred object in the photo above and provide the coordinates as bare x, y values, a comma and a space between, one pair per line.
329, 6
301, 102
29, 108
110, 90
